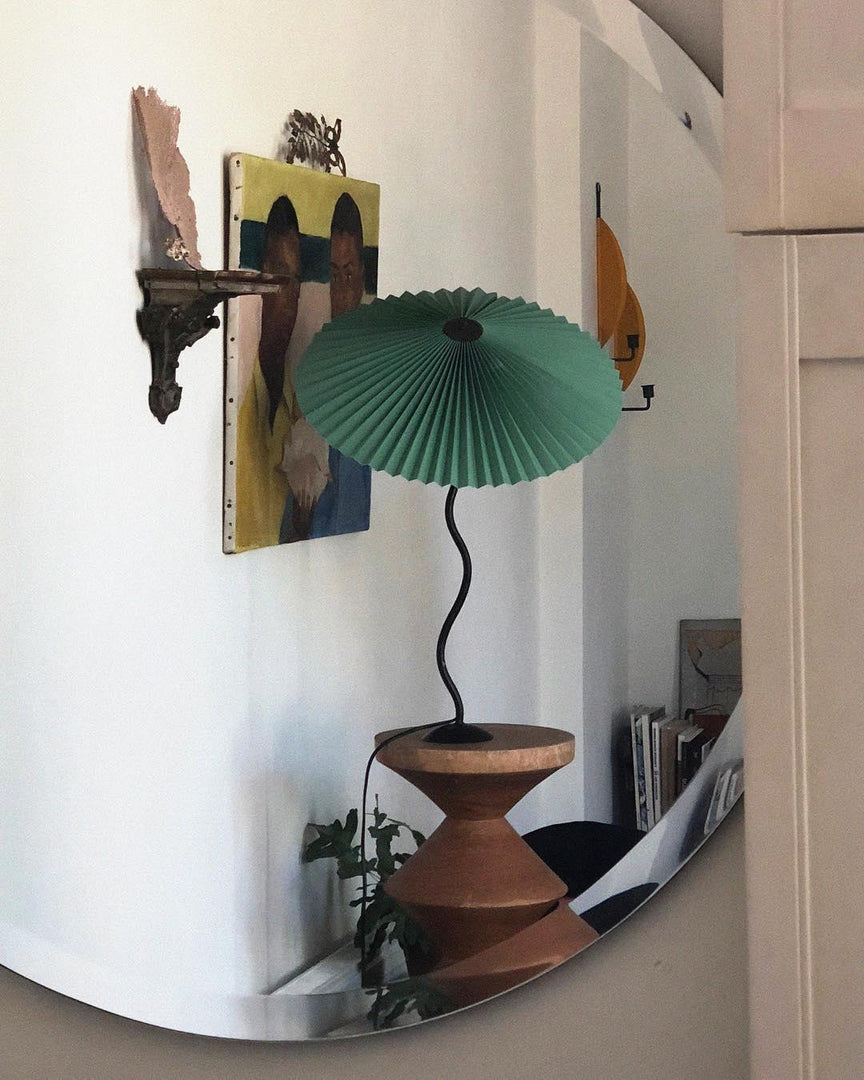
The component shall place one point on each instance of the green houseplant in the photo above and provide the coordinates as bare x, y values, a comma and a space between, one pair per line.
384, 919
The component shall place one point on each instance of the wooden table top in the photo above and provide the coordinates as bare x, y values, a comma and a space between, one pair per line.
512, 748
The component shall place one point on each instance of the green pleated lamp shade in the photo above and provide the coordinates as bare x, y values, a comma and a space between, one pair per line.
461, 388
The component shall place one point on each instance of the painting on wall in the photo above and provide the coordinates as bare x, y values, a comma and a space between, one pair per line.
283, 483
710, 667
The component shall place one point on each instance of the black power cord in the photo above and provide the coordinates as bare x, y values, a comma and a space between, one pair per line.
364, 876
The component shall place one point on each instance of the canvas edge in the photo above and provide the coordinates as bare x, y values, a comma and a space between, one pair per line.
232, 360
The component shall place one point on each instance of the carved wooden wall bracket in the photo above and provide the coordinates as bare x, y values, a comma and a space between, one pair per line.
178, 311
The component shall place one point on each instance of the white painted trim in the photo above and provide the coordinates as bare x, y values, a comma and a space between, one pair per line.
800, 295
775, 745
794, 114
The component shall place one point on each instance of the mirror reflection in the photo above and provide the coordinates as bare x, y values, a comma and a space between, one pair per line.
659, 584
180, 823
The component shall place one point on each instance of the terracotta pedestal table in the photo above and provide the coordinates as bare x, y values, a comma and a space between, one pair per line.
544, 945
475, 882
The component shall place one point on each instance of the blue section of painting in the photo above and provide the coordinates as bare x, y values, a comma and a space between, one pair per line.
344, 503
315, 258
251, 244
370, 270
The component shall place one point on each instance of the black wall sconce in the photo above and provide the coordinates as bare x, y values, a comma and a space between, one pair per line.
633, 346
647, 394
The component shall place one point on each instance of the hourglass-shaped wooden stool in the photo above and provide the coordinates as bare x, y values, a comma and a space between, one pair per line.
475, 882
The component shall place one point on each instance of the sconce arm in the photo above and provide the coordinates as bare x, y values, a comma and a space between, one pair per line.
178, 311
647, 394
633, 346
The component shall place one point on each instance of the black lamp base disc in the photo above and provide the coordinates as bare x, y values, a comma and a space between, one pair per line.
449, 734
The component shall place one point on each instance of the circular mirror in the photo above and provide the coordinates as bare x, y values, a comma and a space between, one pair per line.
176, 719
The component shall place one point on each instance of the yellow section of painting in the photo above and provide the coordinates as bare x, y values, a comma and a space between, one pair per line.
313, 194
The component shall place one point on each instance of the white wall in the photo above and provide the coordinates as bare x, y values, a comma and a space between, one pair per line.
172, 717
558, 260
606, 571
683, 470
656, 503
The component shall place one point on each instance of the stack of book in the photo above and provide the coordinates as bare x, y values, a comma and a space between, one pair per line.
666, 754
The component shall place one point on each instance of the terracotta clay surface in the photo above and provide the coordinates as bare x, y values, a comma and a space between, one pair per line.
475, 882
545, 944
513, 748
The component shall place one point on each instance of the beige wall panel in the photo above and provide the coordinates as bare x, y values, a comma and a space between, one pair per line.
803, 553
824, 53
831, 295
751, 52
823, 158
794, 114
832, 484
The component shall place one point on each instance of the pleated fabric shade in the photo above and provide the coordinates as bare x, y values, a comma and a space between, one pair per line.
461, 388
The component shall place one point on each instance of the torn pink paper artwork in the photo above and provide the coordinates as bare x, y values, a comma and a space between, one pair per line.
160, 125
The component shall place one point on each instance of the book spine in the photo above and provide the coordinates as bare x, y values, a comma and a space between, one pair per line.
656, 775
647, 770
668, 747
637, 757
691, 757
722, 794
679, 764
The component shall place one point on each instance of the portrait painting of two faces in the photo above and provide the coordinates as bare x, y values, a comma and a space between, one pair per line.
283, 483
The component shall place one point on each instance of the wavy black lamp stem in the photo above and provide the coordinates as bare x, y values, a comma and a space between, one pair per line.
457, 731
